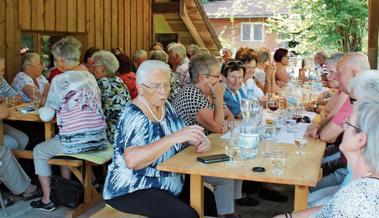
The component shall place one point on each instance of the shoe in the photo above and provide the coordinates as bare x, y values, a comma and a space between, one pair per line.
271, 195
8, 201
248, 201
42, 206
232, 215
37, 193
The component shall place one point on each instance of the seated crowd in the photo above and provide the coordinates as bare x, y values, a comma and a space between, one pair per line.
153, 105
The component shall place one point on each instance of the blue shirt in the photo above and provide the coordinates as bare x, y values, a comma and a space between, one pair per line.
232, 100
135, 129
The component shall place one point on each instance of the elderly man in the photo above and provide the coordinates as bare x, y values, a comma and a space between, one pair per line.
139, 56
319, 59
177, 57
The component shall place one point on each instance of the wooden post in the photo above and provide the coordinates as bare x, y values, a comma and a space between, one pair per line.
373, 31
301, 198
197, 194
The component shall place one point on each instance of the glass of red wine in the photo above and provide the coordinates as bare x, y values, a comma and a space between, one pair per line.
272, 104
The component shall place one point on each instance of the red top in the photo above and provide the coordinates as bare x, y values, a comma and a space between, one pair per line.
130, 81
54, 72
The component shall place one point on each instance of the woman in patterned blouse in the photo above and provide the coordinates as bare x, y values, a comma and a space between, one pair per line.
114, 93
150, 132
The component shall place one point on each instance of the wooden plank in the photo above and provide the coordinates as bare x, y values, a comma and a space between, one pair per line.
140, 24
24, 154
25, 17
10, 27
127, 34
121, 22
197, 194
61, 15
133, 26
64, 162
2, 28
147, 23
81, 16
114, 24
373, 33
188, 22
72, 16
90, 22
107, 25
165, 7
99, 20
38, 22
50, 15
301, 198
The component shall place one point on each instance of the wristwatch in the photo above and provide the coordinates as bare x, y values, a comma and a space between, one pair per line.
315, 106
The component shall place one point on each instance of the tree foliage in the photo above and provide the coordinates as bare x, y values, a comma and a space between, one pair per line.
322, 24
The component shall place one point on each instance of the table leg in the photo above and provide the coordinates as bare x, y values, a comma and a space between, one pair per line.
1, 132
49, 130
301, 198
197, 194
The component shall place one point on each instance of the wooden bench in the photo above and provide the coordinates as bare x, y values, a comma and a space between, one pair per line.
82, 169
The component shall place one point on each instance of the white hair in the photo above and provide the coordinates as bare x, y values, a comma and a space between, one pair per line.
139, 53
108, 59
178, 49
148, 66
68, 49
365, 85
29, 59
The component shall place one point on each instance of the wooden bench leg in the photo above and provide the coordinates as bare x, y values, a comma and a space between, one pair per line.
91, 196
301, 198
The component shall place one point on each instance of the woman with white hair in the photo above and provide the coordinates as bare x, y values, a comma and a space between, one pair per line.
114, 93
150, 132
75, 99
30, 83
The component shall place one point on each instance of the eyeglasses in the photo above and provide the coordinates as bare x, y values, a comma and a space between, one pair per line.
352, 100
96, 65
158, 87
234, 63
214, 76
346, 123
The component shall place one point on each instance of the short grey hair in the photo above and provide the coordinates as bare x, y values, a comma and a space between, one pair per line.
334, 58
201, 64
322, 54
368, 119
139, 53
68, 49
107, 59
145, 69
159, 55
357, 60
365, 85
29, 59
178, 49
193, 49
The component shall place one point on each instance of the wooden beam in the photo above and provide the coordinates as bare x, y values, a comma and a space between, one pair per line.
188, 22
373, 31
165, 7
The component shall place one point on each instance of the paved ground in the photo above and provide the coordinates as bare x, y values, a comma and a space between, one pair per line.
265, 209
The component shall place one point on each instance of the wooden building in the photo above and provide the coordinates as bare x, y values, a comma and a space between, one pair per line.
128, 24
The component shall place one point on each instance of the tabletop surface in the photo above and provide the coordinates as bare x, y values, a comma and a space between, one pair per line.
298, 170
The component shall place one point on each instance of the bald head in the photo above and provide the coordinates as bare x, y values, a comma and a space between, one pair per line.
349, 66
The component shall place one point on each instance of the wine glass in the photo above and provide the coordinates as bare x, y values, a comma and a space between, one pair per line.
278, 161
272, 104
301, 141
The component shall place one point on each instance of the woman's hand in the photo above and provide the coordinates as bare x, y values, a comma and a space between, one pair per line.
312, 130
225, 126
218, 90
204, 146
192, 134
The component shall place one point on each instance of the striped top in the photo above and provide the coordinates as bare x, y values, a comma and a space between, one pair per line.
5, 89
135, 129
76, 98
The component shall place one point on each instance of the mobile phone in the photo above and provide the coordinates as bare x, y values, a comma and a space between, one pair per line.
213, 158
258, 169
26, 109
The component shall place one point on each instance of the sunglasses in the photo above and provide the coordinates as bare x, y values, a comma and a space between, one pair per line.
234, 63
352, 100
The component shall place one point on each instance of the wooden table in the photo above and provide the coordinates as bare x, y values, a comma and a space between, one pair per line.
30, 117
300, 171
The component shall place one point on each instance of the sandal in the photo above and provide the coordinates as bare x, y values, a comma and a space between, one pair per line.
8, 201
37, 193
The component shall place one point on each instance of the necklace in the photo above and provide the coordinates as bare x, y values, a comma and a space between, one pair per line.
148, 107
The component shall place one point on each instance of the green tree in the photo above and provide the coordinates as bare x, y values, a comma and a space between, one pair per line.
322, 24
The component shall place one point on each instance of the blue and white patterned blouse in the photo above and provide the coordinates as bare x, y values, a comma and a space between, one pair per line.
22, 79
135, 129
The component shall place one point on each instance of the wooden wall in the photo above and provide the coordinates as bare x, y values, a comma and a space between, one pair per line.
106, 23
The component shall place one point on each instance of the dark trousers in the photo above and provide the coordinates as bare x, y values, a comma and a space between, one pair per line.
154, 203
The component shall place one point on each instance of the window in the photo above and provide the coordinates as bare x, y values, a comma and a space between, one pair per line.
252, 31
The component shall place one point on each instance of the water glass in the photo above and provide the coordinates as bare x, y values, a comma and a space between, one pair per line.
278, 161
232, 147
301, 142
248, 145
37, 98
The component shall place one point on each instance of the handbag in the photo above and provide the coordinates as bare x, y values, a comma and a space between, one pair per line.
65, 192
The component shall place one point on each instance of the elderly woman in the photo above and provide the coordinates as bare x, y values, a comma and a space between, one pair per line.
281, 58
161, 55
114, 93
74, 97
13, 138
30, 83
201, 102
150, 132
125, 72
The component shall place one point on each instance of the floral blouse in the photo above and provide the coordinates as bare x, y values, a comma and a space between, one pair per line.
22, 79
114, 96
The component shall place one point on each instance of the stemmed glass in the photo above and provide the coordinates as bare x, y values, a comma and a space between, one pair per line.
301, 141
